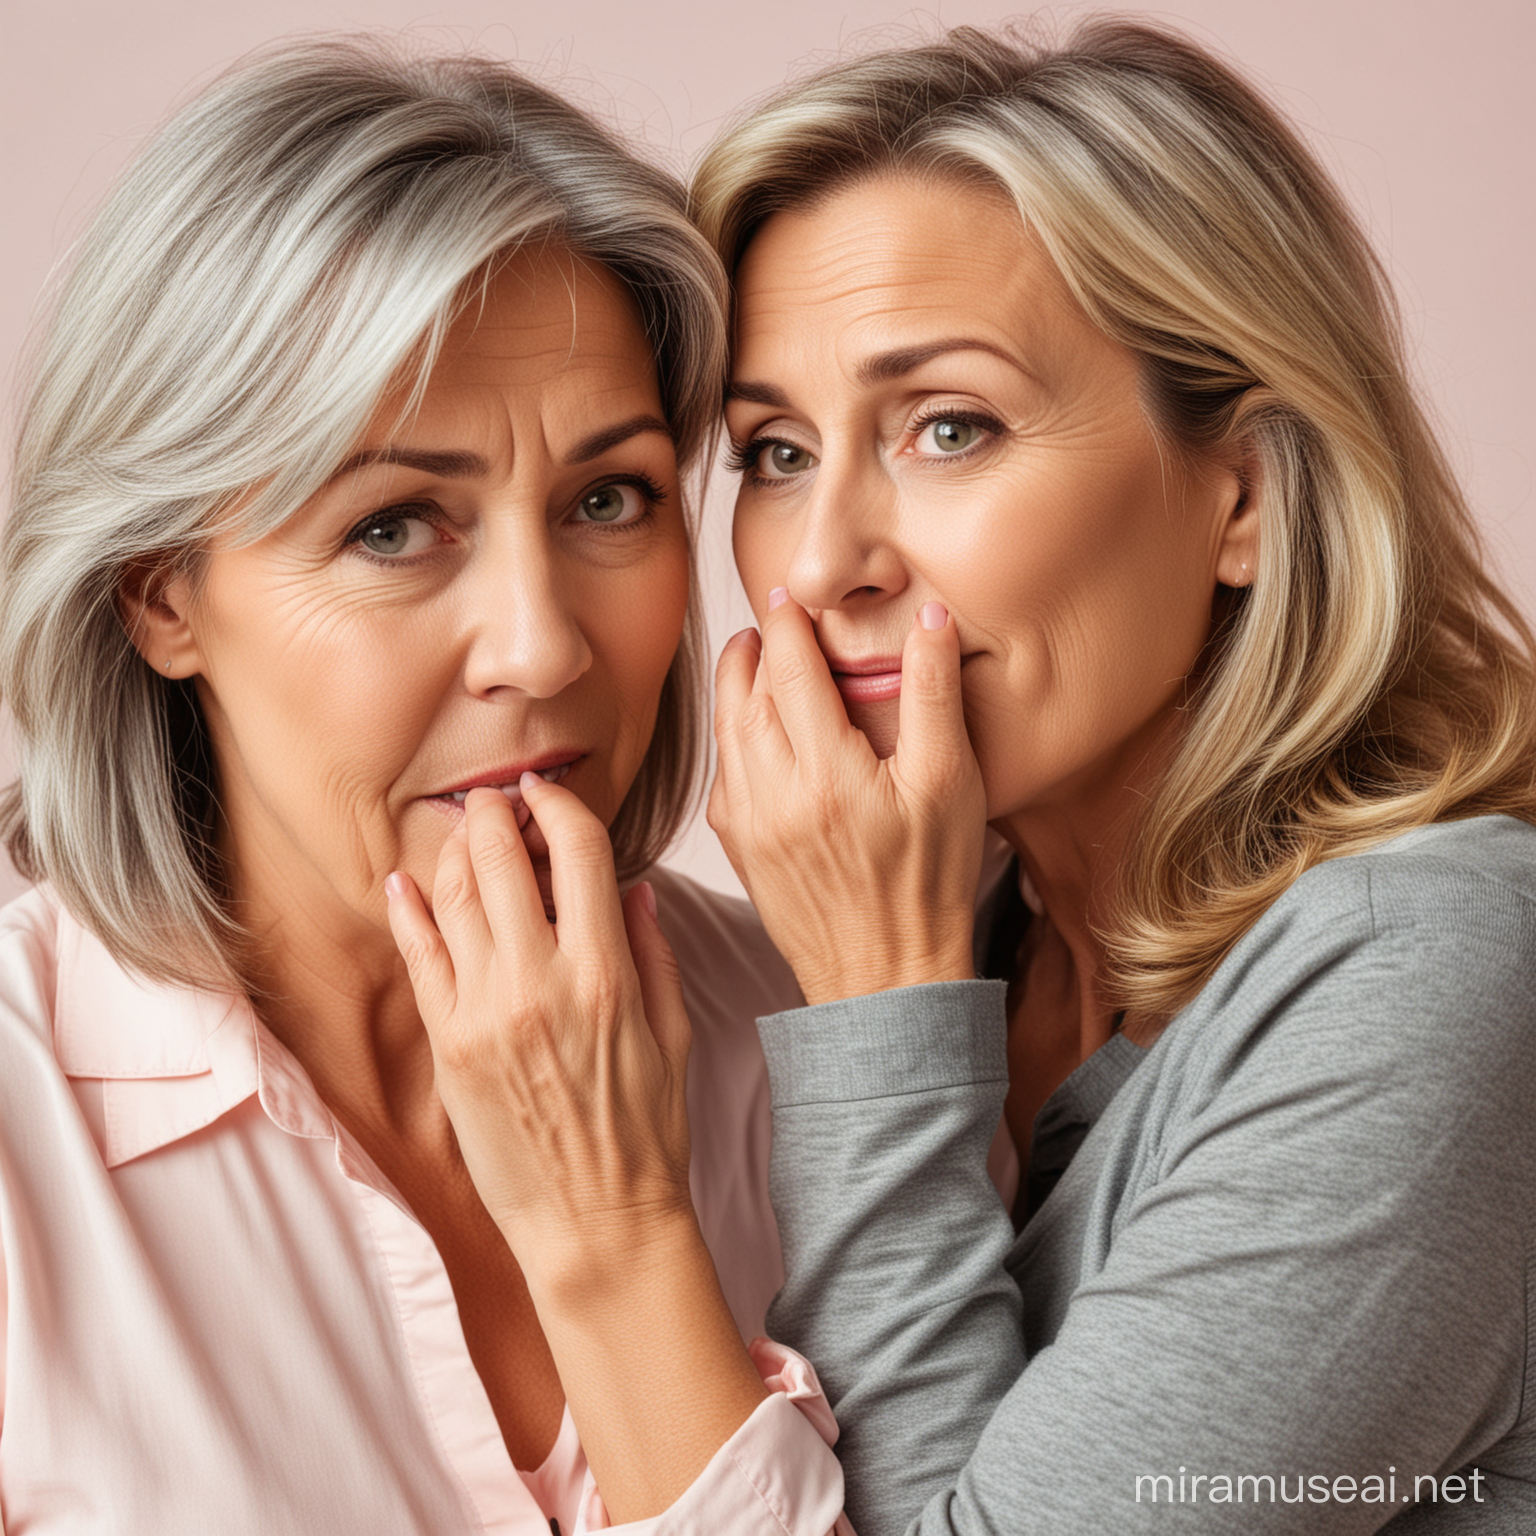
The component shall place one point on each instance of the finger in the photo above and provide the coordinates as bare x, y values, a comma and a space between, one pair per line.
421, 946
735, 677
933, 750
588, 921
456, 908
810, 709
503, 873
661, 979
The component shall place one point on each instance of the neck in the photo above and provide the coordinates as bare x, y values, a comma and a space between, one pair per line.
1073, 844
331, 986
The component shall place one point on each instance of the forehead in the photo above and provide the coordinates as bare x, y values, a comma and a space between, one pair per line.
898, 256
545, 314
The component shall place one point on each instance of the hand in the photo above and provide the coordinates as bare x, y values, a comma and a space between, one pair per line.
561, 1055
864, 871
560, 1048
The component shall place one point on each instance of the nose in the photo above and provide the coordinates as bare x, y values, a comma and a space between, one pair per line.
524, 632
847, 553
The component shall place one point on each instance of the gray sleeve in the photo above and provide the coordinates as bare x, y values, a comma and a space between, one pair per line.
894, 1237
1320, 1266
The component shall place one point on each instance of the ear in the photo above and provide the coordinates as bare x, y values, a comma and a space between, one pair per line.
155, 610
1237, 532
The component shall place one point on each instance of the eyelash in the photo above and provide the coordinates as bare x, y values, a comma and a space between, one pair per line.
651, 493
422, 512
740, 460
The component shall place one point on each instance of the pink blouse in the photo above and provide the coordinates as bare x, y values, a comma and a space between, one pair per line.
219, 1316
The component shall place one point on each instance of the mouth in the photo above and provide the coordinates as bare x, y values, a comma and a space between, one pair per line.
867, 679
552, 768
871, 679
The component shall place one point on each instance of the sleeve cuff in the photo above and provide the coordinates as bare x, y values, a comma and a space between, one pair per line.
776, 1476
944, 1034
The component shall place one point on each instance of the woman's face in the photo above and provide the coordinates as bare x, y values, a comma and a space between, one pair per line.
496, 584
920, 410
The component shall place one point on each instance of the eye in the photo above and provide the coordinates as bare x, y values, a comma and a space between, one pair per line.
614, 504
778, 461
394, 533
949, 434
771, 459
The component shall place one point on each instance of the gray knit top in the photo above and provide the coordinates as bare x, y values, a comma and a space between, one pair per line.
1284, 1275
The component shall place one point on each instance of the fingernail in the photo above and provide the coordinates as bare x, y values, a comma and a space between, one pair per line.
933, 615
741, 637
528, 777
648, 896
394, 885
776, 597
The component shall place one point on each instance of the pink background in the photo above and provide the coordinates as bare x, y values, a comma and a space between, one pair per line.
1421, 108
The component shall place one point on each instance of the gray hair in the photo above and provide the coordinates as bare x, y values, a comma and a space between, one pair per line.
289, 246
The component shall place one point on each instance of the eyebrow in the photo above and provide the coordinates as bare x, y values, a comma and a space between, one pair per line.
455, 464
885, 366
757, 394
599, 442
880, 369
450, 465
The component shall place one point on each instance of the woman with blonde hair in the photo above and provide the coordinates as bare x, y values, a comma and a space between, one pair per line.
1084, 496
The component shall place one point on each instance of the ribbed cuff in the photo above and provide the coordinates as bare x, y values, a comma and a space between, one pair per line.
943, 1034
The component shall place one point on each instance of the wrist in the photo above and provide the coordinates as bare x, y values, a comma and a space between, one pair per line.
591, 1265
864, 975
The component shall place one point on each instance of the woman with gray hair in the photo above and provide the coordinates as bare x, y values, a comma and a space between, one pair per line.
348, 521
1084, 494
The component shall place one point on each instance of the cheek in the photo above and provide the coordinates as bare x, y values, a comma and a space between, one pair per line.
318, 695
634, 631
763, 546
1088, 609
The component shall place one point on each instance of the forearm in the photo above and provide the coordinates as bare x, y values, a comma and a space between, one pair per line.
654, 1370
893, 1236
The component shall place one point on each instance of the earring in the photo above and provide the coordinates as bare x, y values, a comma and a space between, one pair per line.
168, 665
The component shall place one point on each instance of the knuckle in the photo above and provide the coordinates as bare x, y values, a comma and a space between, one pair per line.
459, 1051
453, 893
792, 669
928, 676
716, 815
757, 719
493, 850
586, 845
418, 952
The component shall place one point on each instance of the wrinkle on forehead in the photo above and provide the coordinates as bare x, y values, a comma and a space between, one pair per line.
540, 297
897, 257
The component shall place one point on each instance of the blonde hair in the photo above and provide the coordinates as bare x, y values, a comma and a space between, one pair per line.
291, 245
1373, 678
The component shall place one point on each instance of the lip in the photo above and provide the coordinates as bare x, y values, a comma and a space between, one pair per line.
494, 778
869, 679
866, 679
506, 780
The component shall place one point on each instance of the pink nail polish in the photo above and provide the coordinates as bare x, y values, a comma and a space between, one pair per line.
648, 896
741, 637
776, 597
933, 615
394, 885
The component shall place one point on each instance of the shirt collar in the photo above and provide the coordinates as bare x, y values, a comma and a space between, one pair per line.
171, 1059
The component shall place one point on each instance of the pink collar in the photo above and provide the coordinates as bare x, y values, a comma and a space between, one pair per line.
171, 1059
